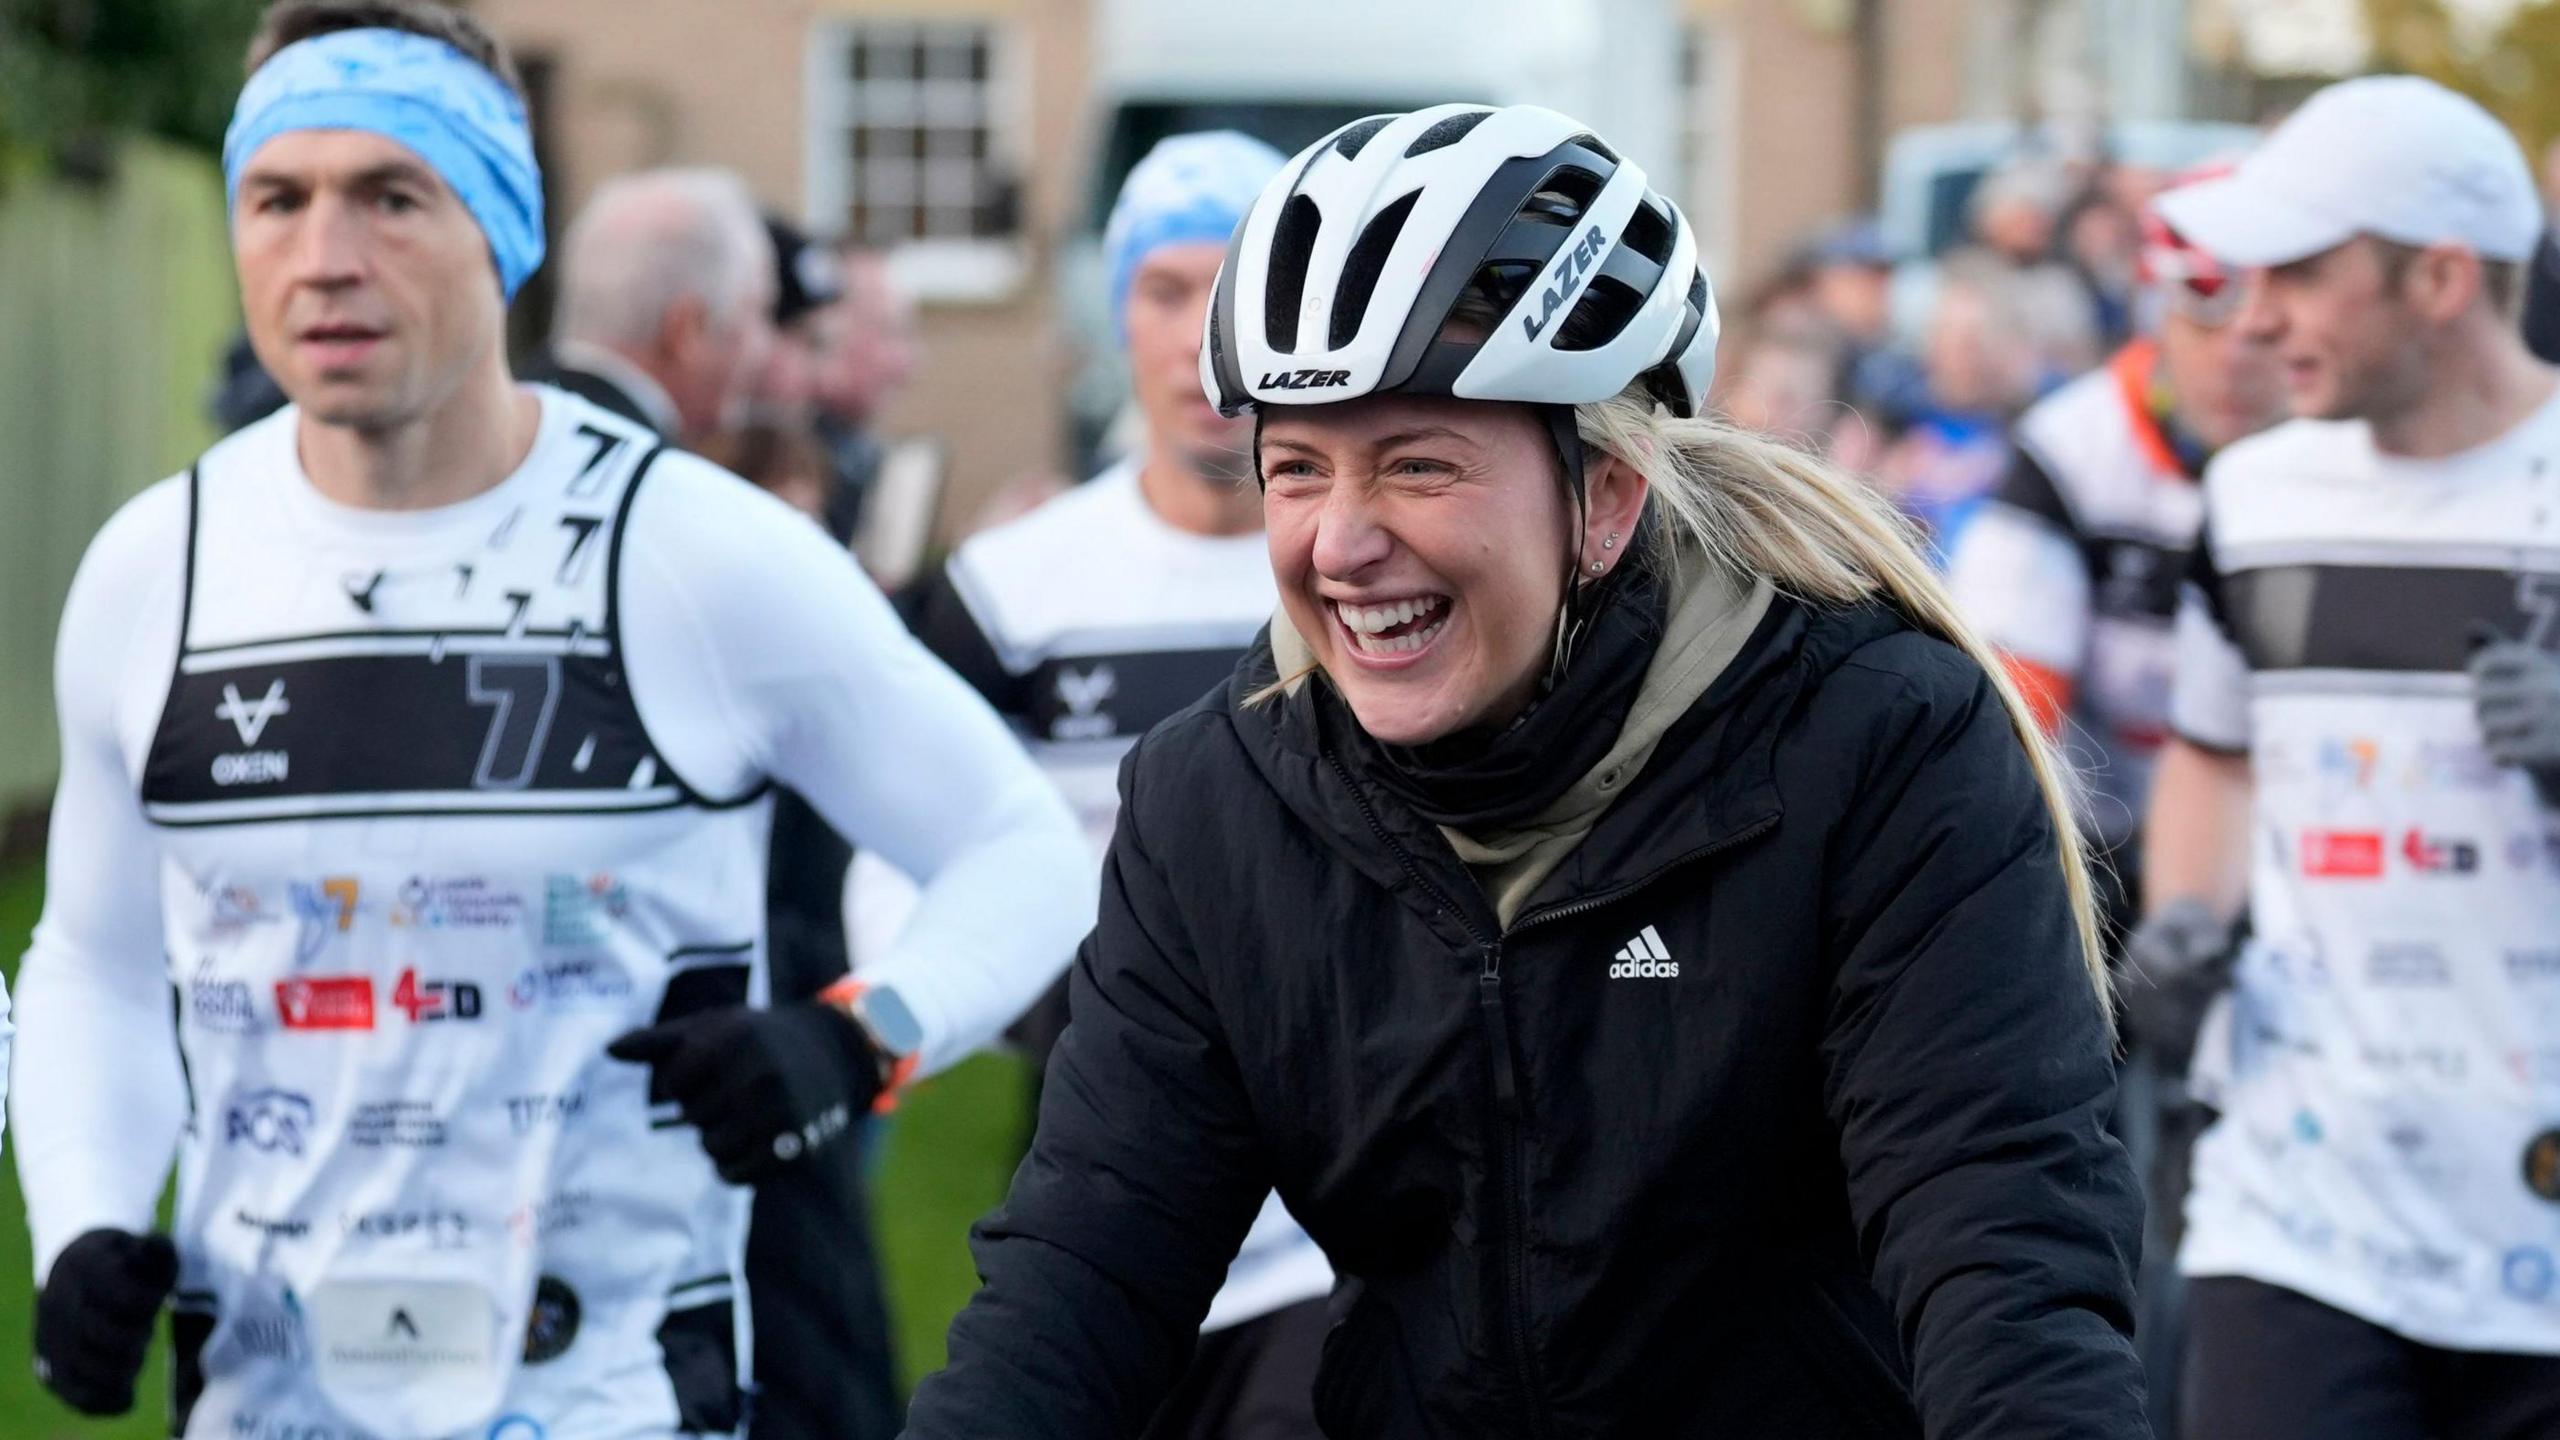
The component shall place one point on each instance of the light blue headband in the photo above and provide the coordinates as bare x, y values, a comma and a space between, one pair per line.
449, 108
1189, 189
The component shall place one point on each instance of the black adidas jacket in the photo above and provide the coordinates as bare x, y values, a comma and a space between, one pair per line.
1845, 1174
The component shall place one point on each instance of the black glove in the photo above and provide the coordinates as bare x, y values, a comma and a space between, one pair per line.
2176, 962
2515, 687
764, 1086
95, 1315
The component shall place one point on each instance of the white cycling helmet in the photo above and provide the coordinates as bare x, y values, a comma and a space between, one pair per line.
1344, 275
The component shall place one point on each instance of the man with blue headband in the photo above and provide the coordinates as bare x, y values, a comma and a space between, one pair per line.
1109, 609
421, 737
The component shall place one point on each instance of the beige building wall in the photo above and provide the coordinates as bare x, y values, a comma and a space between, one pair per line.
1793, 69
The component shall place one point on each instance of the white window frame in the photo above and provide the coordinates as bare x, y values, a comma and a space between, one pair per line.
972, 270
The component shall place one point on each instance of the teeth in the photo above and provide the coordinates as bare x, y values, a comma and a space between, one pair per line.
1370, 619
1370, 644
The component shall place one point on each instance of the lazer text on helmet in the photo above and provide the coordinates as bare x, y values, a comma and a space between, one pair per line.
1305, 379
1571, 271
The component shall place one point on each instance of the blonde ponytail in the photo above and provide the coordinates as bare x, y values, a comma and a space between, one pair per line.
1818, 533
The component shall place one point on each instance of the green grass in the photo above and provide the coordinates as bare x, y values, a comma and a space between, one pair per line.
944, 1162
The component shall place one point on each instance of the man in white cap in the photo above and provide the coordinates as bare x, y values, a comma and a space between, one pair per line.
2368, 755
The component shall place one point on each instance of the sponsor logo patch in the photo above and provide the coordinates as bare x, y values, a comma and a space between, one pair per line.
268, 1121
325, 1002
569, 981
2342, 854
396, 1124
577, 910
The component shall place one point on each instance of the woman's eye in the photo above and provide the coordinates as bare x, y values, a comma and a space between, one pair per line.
396, 203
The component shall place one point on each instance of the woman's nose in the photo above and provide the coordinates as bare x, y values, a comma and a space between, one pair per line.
1350, 537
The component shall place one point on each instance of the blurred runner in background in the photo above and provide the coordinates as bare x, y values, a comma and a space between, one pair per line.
1110, 608
2072, 574
2368, 751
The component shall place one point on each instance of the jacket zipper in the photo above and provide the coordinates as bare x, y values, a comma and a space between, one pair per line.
1506, 1092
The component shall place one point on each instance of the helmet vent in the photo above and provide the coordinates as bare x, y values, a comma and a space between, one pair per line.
1291, 242
1596, 146
1351, 141
1649, 233
1564, 197
1601, 316
1360, 269
1445, 134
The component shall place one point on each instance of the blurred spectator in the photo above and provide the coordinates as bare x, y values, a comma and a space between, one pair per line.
1784, 382
2551, 177
2016, 211
1851, 276
865, 354
2016, 215
1980, 368
2101, 240
1851, 279
779, 454
1786, 301
666, 291
807, 281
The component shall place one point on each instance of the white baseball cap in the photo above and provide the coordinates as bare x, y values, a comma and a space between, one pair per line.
2394, 156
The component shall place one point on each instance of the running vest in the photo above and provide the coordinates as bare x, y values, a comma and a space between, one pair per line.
422, 862
2074, 569
1085, 623
2388, 1072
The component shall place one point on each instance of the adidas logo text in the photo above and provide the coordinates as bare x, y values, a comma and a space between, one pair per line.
1644, 958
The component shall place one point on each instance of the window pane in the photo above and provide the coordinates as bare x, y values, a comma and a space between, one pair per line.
951, 185
948, 58
953, 102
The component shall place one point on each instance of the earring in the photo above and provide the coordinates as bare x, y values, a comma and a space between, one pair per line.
1611, 543
1597, 567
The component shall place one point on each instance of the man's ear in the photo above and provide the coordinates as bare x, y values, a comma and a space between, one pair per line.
683, 326
2442, 281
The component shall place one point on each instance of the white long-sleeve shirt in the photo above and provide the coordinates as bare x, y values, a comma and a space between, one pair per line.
417, 811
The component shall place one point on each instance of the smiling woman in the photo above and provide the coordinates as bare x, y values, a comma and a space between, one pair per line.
1616, 795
